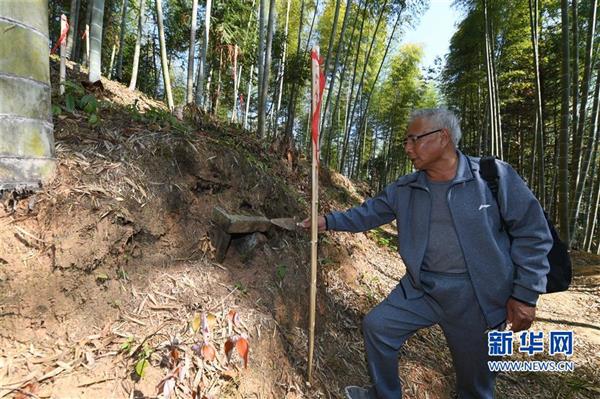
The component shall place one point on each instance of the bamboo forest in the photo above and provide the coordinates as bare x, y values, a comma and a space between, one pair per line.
506, 74
207, 199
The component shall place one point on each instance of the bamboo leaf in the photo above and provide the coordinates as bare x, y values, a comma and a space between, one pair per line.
140, 367
195, 323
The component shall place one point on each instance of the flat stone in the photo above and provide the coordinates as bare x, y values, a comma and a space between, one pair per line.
236, 224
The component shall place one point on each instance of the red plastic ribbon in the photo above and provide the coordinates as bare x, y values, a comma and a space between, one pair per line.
316, 117
62, 37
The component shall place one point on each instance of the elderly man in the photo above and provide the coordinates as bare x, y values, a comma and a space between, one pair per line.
462, 270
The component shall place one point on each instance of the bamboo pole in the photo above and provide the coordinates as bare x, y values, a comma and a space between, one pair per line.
112, 59
318, 83
63, 54
248, 96
87, 45
235, 84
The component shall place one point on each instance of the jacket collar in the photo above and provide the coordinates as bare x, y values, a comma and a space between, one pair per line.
464, 172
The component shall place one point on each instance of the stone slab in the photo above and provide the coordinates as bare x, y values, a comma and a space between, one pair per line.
236, 224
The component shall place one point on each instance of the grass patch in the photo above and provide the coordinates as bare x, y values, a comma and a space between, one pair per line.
384, 239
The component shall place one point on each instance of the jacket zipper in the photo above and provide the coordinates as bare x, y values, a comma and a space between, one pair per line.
448, 195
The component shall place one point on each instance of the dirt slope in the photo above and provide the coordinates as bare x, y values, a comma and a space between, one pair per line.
110, 268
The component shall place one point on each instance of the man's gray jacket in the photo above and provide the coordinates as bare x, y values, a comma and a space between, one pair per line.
498, 268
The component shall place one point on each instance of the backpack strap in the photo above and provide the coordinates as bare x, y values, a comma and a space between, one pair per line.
488, 168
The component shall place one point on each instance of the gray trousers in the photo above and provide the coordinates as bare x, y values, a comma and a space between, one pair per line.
446, 299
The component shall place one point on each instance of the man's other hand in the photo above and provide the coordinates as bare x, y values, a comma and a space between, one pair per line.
305, 224
519, 315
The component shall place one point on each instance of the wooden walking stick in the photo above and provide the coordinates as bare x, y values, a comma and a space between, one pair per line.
318, 83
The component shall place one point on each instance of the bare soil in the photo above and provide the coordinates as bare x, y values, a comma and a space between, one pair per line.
110, 268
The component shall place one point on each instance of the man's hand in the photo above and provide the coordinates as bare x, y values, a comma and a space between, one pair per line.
519, 315
305, 224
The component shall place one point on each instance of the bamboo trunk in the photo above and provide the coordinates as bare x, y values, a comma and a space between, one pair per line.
112, 60
267, 66
261, 67
491, 86
138, 43
72, 37
282, 71
88, 23
63, 56
96, 41
76, 54
235, 84
217, 95
592, 198
27, 151
190, 74
163, 54
121, 42
248, 97
202, 65
563, 176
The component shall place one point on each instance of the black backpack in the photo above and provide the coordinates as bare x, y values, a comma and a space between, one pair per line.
559, 277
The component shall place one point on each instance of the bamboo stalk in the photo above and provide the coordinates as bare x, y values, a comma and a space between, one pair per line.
87, 45
63, 55
314, 216
248, 97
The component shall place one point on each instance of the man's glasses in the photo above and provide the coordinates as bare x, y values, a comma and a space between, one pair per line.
413, 139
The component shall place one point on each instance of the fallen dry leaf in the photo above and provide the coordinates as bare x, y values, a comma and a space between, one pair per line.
29, 391
205, 327
168, 388
229, 344
174, 356
208, 352
195, 323
242, 347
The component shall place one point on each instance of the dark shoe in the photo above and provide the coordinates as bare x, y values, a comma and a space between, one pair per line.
354, 392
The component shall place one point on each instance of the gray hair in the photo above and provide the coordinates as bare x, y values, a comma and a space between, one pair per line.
443, 118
